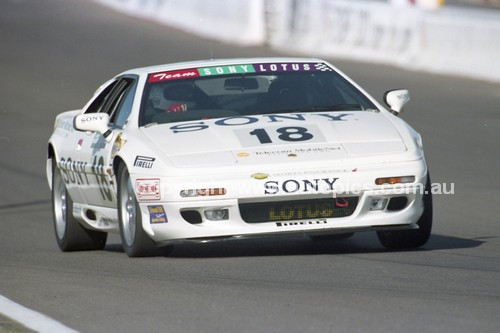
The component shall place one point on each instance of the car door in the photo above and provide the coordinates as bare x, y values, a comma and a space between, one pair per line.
97, 153
73, 169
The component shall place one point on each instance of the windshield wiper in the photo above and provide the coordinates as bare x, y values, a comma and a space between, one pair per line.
336, 107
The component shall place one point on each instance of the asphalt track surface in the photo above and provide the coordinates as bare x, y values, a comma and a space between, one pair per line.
54, 54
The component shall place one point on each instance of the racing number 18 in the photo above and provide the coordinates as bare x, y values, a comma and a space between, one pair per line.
286, 134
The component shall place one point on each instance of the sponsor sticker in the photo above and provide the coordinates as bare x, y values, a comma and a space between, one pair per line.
157, 214
238, 69
287, 133
260, 175
310, 210
299, 151
144, 162
117, 145
148, 188
224, 70
79, 145
317, 185
174, 75
284, 67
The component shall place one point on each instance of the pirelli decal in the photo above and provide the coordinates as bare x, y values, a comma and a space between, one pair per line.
144, 162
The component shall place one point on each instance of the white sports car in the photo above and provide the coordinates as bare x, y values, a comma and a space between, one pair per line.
226, 149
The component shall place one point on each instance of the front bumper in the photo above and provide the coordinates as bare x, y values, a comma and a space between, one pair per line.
175, 228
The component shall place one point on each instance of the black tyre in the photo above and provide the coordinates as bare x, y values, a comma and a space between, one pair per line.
406, 239
70, 234
332, 237
135, 241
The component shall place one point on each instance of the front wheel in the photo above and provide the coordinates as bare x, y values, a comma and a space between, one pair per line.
135, 241
405, 239
70, 234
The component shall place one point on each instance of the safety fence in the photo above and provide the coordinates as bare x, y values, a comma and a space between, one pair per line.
450, 40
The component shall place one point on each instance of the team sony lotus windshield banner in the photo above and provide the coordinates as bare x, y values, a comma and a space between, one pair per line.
238, 69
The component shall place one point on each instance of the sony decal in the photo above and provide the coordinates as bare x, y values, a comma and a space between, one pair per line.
238, 69
246, 120
299, 186
91, 118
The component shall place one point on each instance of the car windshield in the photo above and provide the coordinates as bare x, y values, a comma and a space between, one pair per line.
247, 89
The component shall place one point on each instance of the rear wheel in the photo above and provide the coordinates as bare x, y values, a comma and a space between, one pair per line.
135, 241
405, 239
70, 234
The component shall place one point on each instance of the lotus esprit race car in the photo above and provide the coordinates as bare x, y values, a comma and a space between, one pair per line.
226, 149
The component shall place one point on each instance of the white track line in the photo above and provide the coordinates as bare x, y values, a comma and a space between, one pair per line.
31, 319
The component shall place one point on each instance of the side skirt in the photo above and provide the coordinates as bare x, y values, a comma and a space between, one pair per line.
96, 217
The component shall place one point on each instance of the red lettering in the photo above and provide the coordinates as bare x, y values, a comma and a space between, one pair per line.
173, 75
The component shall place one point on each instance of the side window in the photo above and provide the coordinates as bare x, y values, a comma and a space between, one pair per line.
99, 102
124, 107
116, 98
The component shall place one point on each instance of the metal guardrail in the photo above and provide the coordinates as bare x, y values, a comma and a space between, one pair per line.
494, 4
485, 4
450, 38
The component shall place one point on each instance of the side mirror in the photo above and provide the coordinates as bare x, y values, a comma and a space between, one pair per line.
396, 99
93, 122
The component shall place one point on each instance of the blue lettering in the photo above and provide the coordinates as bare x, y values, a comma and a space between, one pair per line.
271, 187
295, 186
274, 117
334, 118
190, 127
311, 185
229, 121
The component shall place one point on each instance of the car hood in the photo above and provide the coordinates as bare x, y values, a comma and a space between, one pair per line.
279, 138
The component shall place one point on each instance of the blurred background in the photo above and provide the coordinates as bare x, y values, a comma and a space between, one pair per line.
460, 37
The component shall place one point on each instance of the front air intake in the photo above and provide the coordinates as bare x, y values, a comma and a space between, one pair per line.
397, 203
295, 210
191, 216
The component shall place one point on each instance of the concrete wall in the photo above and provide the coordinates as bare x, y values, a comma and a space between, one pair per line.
452, 40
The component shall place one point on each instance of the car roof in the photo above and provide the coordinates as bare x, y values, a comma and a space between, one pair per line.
216, 62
